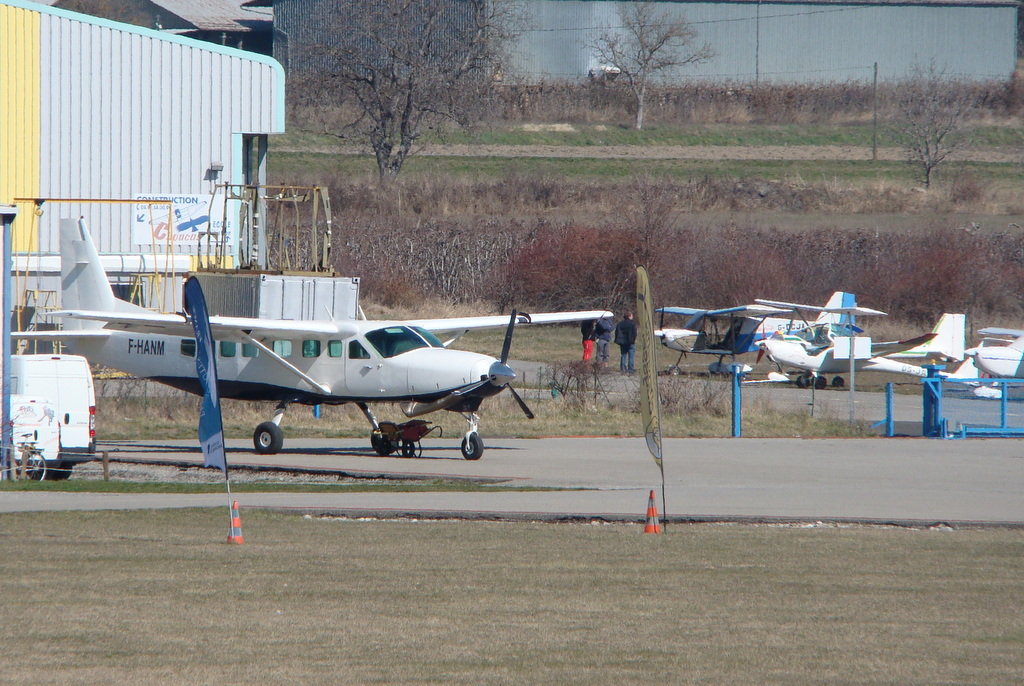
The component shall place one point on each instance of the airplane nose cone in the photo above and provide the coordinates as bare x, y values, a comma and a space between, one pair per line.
500, 373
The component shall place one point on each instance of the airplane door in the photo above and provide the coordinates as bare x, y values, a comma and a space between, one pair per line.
363, 371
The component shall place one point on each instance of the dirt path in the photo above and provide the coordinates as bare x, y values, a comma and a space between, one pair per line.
679, 152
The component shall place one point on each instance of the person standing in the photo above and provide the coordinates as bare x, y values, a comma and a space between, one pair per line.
587, 331
603, 333
625, 338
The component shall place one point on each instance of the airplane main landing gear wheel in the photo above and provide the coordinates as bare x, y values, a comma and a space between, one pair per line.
820, 382
838, 382
268, 438
472, 446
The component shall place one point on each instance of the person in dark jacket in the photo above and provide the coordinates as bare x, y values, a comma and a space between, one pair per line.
603, 332
625, 338
587, 331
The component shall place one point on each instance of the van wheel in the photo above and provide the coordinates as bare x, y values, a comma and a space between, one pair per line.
59, 471
268, 438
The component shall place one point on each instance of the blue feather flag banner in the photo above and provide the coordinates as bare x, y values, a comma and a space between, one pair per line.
211, 425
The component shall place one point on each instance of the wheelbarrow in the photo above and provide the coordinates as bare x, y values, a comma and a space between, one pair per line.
405, 437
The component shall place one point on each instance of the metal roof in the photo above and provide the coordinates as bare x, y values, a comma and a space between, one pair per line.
216, 15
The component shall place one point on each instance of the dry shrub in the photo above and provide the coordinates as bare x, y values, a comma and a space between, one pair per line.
682, 395
579, 384
571, 266
709, 103
966, 188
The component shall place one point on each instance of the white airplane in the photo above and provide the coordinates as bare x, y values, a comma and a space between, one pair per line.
1000, 358
735, 330
812, 350
330, 362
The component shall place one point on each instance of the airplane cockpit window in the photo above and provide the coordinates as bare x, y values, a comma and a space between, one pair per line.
433, 340
356, 351
816, 335
395, 340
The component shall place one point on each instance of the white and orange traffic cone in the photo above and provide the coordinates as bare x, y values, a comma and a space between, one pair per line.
235, 532
653, 525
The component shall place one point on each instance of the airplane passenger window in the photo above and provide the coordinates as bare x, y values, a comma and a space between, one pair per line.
282, 348
188, 347
311, 348
228, 348
357, 352
395, 340
334, 348
249, 350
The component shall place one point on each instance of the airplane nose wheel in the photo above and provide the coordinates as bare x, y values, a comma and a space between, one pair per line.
472, 446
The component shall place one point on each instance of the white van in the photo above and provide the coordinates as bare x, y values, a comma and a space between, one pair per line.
66, 381
35, 427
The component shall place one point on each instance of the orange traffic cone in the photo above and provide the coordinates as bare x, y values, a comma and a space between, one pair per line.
653, 526
235, 532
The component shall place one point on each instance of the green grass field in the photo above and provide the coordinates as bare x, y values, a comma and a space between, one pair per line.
158, 597
301, 164
585, 135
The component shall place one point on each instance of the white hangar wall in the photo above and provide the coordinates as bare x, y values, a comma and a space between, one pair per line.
790, 42
125, 111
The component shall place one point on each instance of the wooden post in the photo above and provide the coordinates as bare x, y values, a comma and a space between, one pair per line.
106, 465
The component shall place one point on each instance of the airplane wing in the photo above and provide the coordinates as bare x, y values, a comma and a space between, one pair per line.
996, 331
883, 349
795, 307
695, 316
222, 327
498, 321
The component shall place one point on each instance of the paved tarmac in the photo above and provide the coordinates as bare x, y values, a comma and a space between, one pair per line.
913, 481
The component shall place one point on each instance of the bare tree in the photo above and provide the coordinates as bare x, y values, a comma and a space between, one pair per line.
648, 45
931, 119
404, 65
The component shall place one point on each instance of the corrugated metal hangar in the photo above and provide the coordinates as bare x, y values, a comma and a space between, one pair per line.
789, 41
96, 111
780, 41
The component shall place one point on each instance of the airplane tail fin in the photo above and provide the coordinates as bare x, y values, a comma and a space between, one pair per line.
84, 283
838, 299
951, 338
948, 344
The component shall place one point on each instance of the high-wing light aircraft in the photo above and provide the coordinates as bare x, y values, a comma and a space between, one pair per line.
735, 330
329, 362
812, 350
1001, 358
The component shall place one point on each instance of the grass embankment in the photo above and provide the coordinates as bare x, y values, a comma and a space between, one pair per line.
158, 597
588, 135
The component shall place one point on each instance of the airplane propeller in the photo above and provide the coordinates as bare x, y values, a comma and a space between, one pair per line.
506, 346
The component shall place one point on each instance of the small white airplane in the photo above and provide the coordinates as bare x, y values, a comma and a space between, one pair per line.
813, 350
1000, 358
735, 330
330, 362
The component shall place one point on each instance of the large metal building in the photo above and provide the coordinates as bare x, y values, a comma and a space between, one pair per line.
779, 41
793, 41
96, 111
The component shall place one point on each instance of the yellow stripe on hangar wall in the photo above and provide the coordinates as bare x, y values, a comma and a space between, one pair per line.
19, 116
